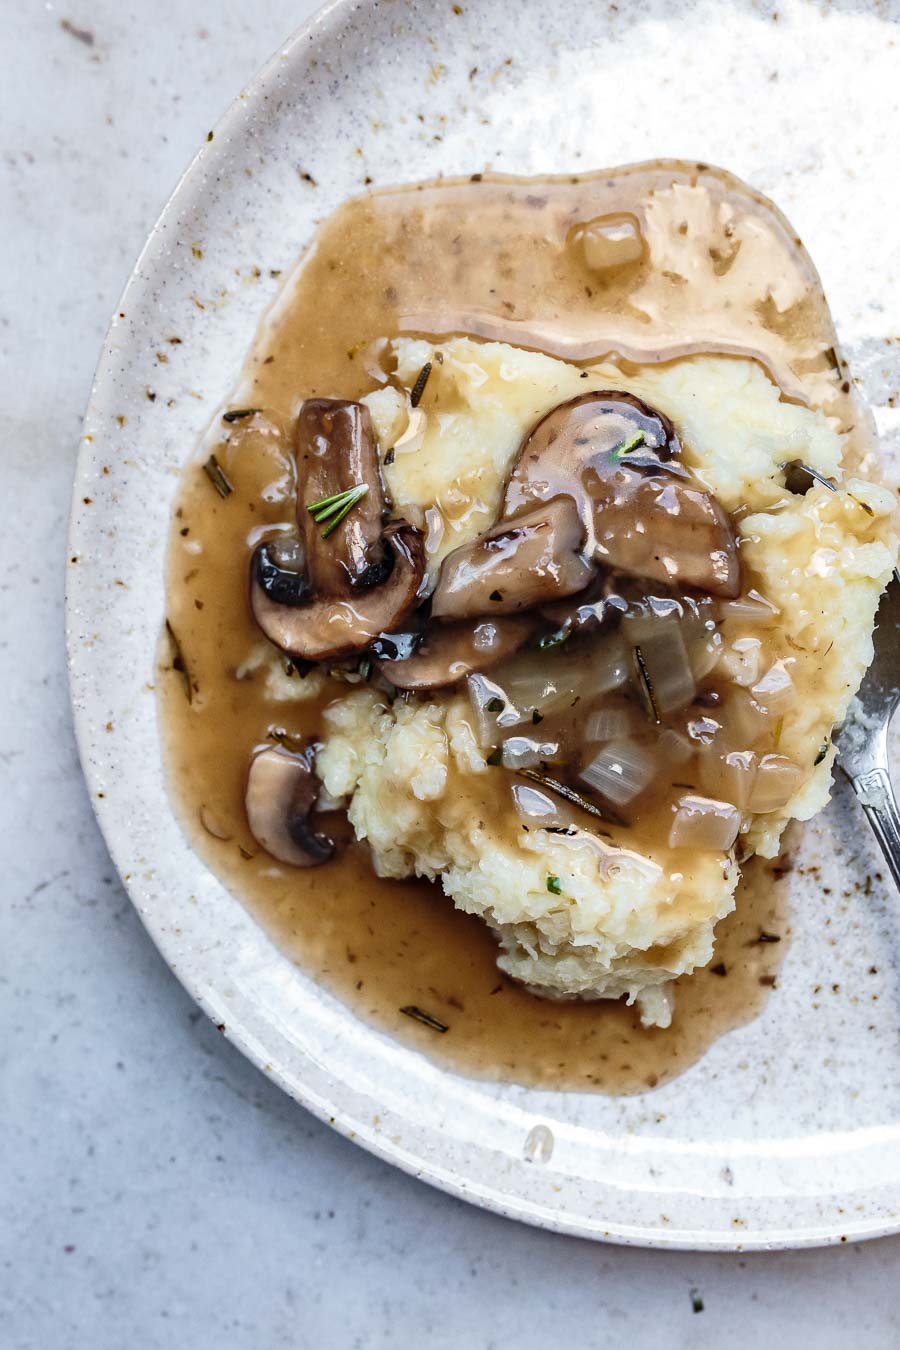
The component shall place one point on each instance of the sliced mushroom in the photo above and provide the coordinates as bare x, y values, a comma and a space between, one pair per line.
528, 561
450, 652
616, 458
280, 794
326, 627
327, 593
335, 450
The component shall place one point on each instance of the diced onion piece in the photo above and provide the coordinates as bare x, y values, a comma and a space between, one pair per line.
620, 771
435, 526
536, 808
414, 434
741, 659
611, 241
485, 695
665, 658
704, 655
521, 752
704, 824
746, 720
730, 776
777, 779
749, 608
775, 691
673, 748
608, 724
552, 680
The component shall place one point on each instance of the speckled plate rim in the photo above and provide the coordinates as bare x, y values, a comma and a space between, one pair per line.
505, 1183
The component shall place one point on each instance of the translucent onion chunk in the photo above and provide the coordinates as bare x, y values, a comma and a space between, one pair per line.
775, 691
777, 779
704, 825
665, 657
611, 241
731, 776
521, 752
609, 724
620, 771
538, 809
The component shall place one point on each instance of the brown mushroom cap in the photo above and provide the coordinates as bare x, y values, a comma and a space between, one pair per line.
520, 563
450, 652
641, 513
279, 798
329, 627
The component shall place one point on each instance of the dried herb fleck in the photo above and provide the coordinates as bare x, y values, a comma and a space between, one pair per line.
179, 663
554, 885
418, 388
237, 414
218, 477
646, 685
425, 1018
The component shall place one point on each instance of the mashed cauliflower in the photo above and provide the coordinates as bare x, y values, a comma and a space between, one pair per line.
417, 786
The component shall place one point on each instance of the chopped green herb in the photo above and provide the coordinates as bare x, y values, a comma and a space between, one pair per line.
631, 444
555, 639
696, 1301
418, 388
646, 686
823, 751
333, 509
218, 477
425, 1018
554, 885
495, 595
365, 669
235, 414
495, 757
495, 705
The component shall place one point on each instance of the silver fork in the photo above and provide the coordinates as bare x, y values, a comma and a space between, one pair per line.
862, 742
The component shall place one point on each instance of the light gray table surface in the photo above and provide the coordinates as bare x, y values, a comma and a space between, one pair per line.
155, 1189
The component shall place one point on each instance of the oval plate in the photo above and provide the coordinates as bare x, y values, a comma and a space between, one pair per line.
787, 1132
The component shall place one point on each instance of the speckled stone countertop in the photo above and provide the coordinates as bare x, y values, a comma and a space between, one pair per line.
156, 1190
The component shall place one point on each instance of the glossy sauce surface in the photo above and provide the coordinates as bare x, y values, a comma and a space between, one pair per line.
499, 253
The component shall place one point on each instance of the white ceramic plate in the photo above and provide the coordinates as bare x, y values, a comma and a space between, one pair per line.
788, 1131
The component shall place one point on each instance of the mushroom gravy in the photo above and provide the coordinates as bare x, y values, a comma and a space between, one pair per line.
582, 268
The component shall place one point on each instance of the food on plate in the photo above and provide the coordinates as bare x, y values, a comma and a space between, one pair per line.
565, 595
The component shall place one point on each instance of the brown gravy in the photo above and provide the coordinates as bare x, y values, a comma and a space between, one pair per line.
495, 252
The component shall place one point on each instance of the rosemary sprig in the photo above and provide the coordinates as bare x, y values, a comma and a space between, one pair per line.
333, 509
425, 1018
218, 477
418, 388
570, 795
646, 686
631, 444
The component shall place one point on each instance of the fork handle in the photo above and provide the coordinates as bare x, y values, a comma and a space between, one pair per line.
876, 796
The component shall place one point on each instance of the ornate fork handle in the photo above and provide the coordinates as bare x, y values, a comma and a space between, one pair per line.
876, 797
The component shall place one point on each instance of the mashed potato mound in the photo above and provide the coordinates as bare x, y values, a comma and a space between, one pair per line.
416, 783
